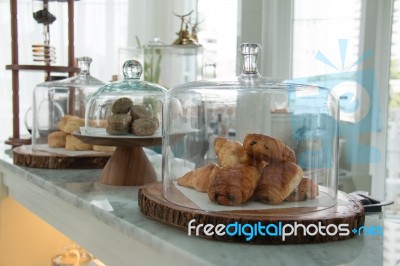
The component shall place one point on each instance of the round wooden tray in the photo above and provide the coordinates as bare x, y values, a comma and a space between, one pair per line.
25, 156
129, 165
155, 206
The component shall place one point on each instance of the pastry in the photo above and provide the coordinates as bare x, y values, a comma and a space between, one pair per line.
102, 148
139, 111
121, 106
145, 126
278, 180
74, 144
231, 152
199, 178
69, 124
233, 185
62, 122
118, 124
307, 189
56, 139
267, 148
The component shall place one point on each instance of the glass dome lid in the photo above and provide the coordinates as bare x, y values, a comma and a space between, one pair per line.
128, 107
55, 100
253, 143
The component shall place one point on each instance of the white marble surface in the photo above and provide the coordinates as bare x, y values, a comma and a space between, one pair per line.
81, 187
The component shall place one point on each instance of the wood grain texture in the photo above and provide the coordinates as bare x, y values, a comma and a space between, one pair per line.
129, 166
25, 156
155, 206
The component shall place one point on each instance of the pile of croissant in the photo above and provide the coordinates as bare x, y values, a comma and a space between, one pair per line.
263, 168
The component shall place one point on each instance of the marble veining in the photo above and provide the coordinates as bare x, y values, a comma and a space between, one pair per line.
80, 187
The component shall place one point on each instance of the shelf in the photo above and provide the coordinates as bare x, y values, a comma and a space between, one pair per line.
42, 68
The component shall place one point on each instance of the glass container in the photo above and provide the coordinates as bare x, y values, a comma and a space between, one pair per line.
73, 256
116, 107
253, 143
54, 99
167, 65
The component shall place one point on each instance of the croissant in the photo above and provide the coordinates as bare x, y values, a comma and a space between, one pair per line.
307, 189
199, 178
267, 148
233, 185
278, 180
231, 152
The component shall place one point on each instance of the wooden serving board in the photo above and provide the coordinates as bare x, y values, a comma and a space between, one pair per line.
25, 156
155, 206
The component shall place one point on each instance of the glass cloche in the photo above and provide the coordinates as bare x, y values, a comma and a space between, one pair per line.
55, 101
130, 108
254, 143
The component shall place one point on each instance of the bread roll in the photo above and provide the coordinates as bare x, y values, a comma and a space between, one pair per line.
267, 148
71, 124
74, 144
230, 153
101, 148
307, 189
233, 185
56, 139
199, 178
278, 180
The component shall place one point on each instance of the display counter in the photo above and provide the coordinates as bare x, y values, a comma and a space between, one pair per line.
106, 220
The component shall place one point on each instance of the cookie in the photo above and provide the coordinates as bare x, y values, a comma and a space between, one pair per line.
139, 111
118, 124
145, 126
121, 106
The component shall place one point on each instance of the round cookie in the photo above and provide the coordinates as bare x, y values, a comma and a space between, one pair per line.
139, 111
145, 126
121, 106
118, 124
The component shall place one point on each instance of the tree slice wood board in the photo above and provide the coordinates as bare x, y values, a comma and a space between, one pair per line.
27, 157
153, 205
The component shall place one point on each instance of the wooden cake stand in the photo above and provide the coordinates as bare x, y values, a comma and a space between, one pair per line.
27, 157
129, 165
349, 212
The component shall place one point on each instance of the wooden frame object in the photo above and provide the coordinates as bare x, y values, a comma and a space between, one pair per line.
15, 67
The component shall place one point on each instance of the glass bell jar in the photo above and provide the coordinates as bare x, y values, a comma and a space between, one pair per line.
253, 143
55, 100
130, 108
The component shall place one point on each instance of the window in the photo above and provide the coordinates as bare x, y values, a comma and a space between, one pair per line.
393, 123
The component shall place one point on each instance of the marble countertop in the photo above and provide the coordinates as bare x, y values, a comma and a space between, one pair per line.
117, 208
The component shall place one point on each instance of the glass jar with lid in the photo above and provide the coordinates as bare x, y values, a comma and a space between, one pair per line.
116, 107
126, 114
54, 100
234, 145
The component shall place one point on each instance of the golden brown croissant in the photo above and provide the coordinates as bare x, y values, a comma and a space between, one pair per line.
231, 152
199, 178
307, 189
278, 180
233, 185
267, 148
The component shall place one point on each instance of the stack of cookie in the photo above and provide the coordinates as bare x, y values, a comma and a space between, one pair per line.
129, 118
